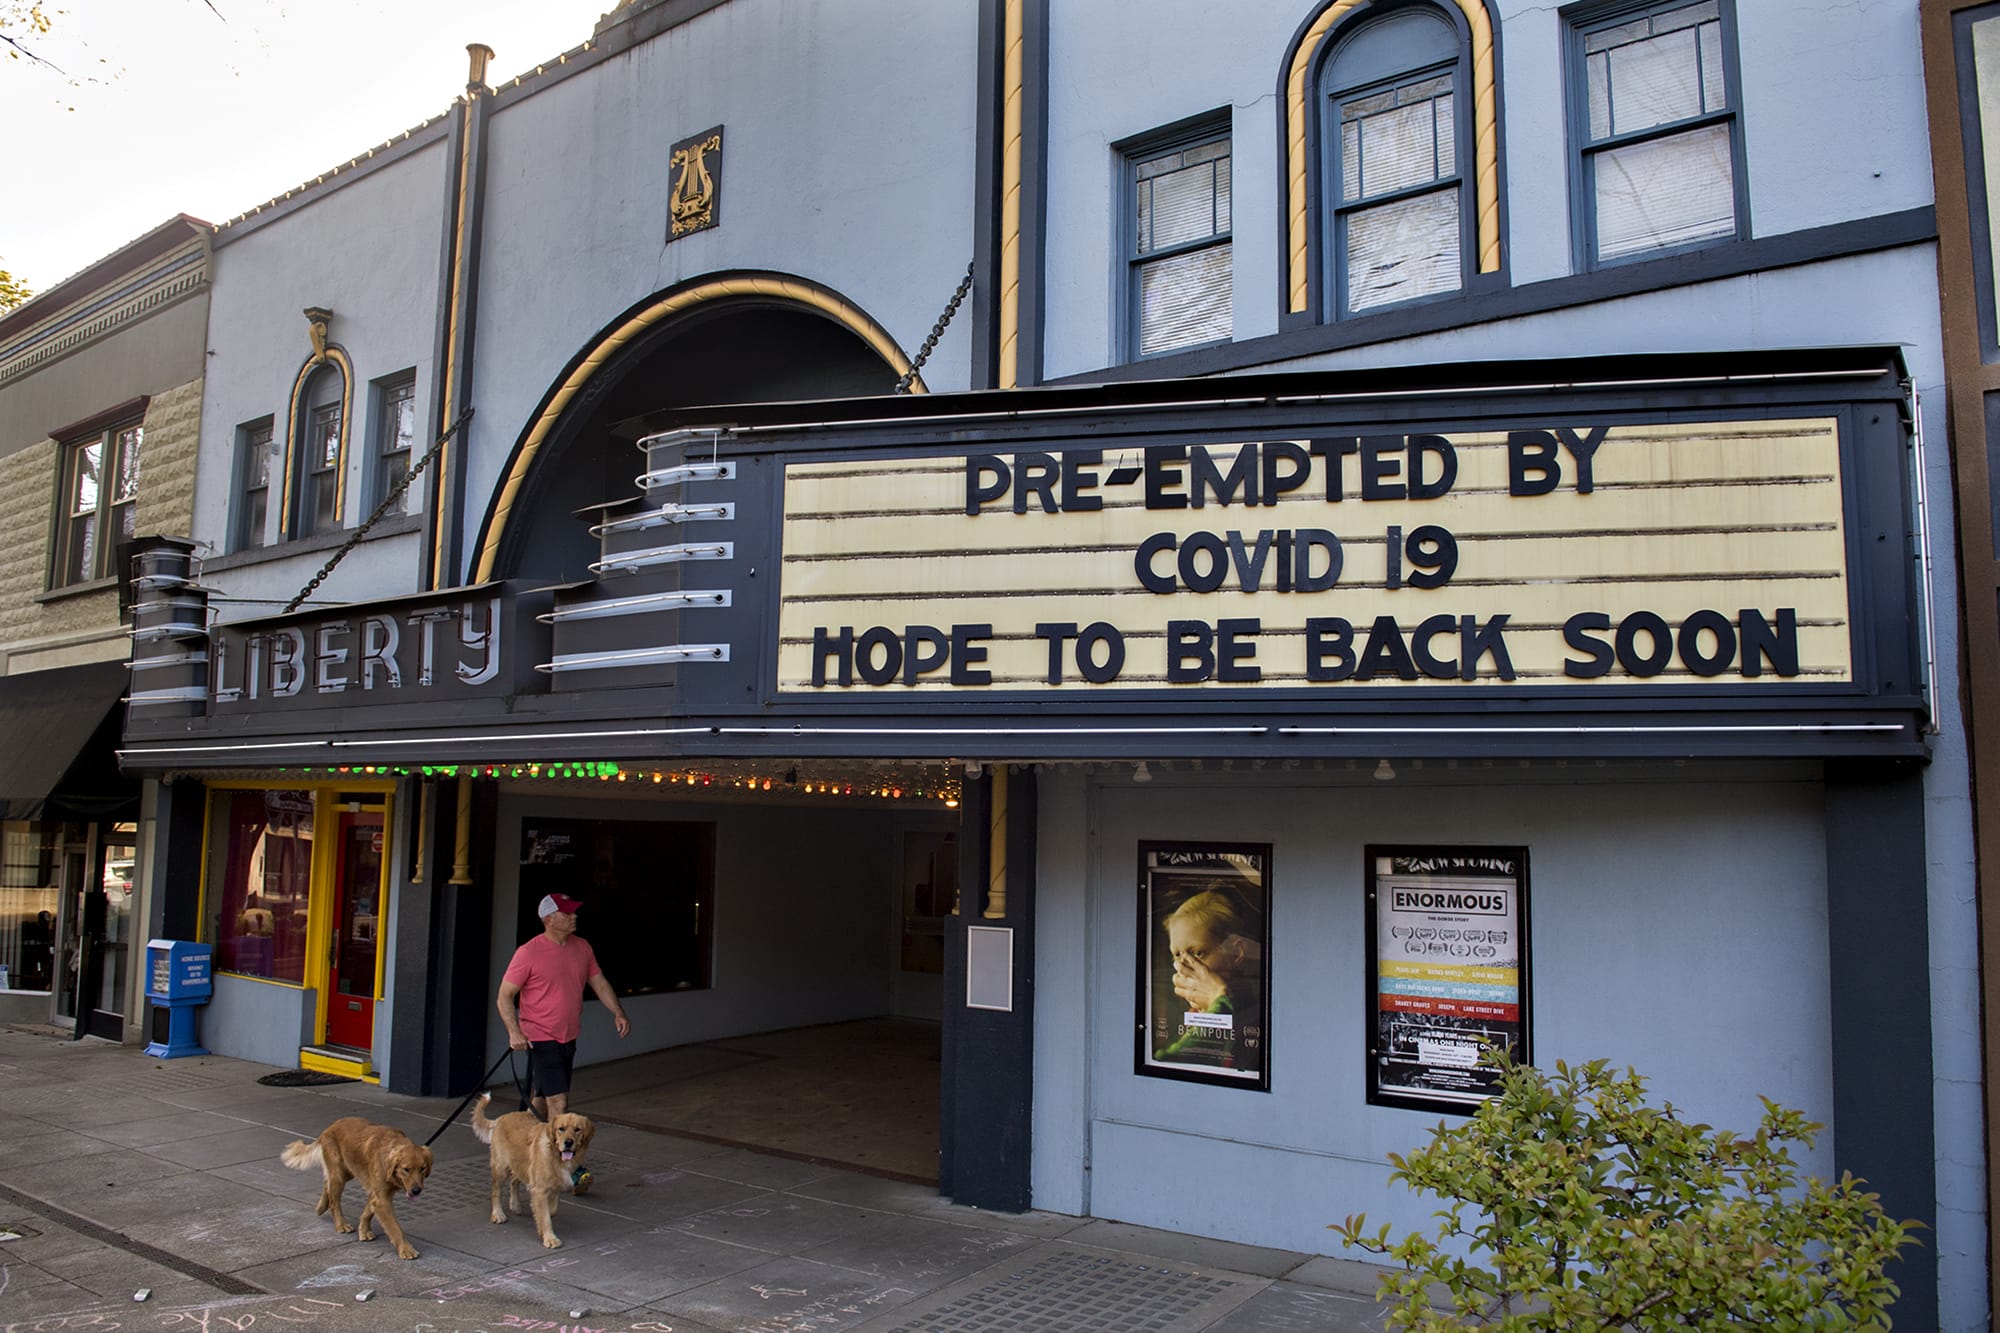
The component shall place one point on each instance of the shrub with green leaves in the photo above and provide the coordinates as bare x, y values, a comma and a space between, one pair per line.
1578, 1206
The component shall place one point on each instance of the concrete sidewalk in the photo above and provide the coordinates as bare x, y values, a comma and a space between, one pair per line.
121, 1173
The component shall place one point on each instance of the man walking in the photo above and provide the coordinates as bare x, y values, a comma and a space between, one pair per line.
541, 1002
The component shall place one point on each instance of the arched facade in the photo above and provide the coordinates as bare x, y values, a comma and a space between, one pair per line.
648, 335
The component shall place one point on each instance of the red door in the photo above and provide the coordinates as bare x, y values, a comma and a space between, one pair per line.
357, 903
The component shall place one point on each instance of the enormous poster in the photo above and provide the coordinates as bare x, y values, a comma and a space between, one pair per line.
1447, 971
1204, 975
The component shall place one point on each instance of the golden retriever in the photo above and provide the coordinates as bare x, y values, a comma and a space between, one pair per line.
382, 1158
523, 1151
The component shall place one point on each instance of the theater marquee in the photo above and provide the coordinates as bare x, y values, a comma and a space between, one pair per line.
1569, 552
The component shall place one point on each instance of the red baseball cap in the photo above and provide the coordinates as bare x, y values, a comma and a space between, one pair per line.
556, 902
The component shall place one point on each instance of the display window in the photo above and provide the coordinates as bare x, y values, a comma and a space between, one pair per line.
1447, 972
1204, 962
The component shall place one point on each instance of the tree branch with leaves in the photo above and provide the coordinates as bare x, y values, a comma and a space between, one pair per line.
1572, 1204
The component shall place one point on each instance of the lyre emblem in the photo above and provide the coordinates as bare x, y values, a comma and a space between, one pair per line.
693, 200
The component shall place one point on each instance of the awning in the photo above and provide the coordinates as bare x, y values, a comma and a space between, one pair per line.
59, 734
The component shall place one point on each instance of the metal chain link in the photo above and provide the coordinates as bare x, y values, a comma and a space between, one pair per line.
937, 330
394, 497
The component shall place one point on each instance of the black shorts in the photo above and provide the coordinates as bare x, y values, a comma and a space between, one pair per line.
549, 1065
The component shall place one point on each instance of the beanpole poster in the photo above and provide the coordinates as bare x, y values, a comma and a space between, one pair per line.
1447, 972
1204, 976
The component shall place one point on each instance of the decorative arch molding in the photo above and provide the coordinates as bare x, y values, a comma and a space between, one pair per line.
1304, 57
759, 288
336, 356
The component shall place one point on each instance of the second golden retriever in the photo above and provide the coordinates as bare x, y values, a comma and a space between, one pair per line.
524, 1152
381, 1157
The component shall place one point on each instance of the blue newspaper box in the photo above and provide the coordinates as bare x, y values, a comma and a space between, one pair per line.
178, 978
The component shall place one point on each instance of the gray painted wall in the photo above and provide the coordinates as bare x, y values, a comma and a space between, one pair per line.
257, 1020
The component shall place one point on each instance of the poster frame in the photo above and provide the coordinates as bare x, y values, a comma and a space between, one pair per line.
1435, 1100
1149, 921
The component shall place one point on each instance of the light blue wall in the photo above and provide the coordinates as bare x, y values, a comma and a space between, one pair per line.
1832, 107
1678, 924
257, 1020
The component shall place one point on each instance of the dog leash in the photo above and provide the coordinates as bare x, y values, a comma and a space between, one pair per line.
506, 1057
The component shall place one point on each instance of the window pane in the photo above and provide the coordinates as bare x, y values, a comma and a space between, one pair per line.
1182, 208
127, 521
260, 882
325, 438
254, 510
1654, 71
1393, 141
129, 441
257, 466
1664, 192
1403, 250
1184, 300
83, 496
402, 419
82, 549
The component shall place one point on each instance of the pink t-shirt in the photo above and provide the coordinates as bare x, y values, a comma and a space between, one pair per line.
551, 977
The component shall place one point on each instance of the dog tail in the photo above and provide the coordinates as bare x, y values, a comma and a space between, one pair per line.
300, 1155
482, 1128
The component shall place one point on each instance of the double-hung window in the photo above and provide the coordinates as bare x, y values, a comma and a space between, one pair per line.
99, 503
1658, 139
253, 496
396, 432
1178, 244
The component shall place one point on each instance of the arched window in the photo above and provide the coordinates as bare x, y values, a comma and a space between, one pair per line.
318, 456
1395, 137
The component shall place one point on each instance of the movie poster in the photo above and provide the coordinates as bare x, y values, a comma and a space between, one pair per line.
1204, 975
1447, 971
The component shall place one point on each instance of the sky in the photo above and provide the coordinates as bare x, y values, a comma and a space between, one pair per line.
211, 107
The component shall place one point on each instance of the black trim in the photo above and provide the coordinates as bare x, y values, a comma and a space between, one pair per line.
1838, 240
983, 370
987, 1084
1032, 323
1879, 959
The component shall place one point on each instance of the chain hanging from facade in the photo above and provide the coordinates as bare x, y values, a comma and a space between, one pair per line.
389, 501
937, 330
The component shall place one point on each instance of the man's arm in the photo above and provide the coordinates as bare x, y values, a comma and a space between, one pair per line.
601, 985
509, 1005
